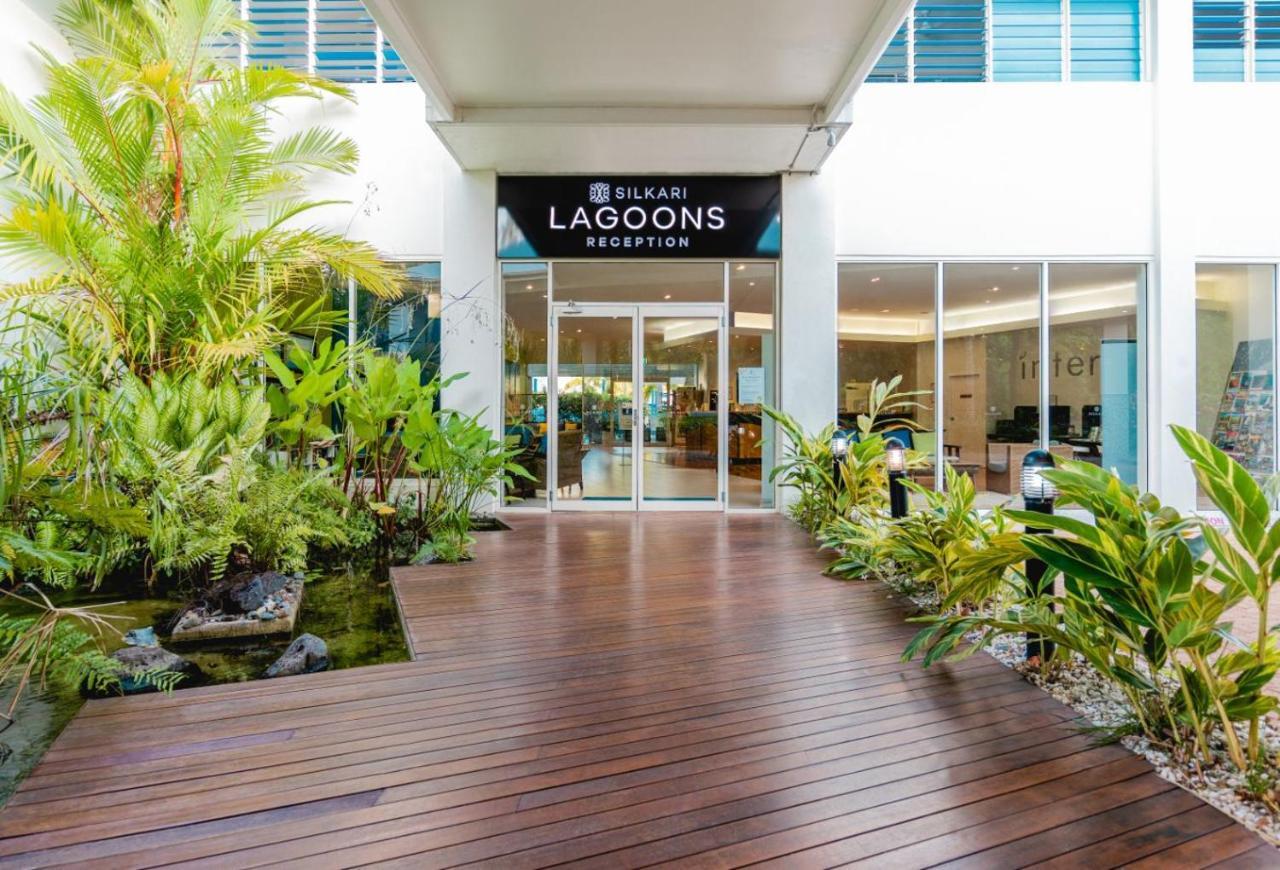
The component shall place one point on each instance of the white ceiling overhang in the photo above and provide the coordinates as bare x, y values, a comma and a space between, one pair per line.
655, 86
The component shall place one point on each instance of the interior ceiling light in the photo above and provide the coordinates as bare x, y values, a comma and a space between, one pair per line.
751, 283
884, 310
740, 266
1016, 268
875, 279
668, 296
995, 289
528, 286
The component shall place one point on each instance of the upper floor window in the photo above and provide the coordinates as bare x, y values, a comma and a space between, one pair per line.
337, 39
1016, 41
1237, 40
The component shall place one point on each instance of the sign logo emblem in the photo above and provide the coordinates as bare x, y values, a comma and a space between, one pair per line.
598, 192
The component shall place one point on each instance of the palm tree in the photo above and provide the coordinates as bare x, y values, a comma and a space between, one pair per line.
164, 223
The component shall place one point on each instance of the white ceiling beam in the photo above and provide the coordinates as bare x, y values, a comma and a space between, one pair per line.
401, 35
633, 116
885, 24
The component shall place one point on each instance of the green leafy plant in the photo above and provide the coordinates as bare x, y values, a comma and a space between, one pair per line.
1137, 604
308, 386
859, 484
164, 221
446, 545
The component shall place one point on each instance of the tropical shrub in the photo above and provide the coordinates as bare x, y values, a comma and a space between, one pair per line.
825, 492
1137, 603
164, 222
308, 387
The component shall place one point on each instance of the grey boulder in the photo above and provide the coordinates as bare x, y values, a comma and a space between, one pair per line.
306, 655
136, 660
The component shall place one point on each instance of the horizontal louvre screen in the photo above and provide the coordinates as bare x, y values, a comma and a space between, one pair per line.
1106, 40
346, 41
950, 41
892, 65
393, 68
1026, 40
280, 37
1266, 26
1219, 28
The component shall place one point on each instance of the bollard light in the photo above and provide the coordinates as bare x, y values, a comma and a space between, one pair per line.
839, 450
895, 461
1038, 494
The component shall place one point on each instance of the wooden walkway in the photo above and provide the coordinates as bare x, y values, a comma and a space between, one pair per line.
616, 691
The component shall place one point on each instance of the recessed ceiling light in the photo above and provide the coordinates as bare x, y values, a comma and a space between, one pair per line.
740, 266
995, 289
579, 330
1016, 268
668, 296
544, 295
875, 279
987, 301
528, 286
884, 310
751, 283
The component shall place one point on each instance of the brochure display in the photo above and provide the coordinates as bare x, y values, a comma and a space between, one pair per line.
1245, 426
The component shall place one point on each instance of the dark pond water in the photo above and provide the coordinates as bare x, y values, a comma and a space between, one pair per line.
353, 609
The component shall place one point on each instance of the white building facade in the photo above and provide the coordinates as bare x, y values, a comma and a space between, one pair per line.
1060, 229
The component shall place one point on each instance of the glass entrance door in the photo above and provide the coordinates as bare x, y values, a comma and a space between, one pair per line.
636, 416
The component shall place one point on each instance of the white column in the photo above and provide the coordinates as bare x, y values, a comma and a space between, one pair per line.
808, 299
1172, 284
471, 327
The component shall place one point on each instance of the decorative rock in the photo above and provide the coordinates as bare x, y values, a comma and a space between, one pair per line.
141, 637
306, 655
136, 659
255, 592
268, 616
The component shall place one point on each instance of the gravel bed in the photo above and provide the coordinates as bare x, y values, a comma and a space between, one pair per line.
1080, 687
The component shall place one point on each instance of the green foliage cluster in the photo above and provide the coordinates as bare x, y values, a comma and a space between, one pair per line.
160, 422
855, 488
1144, 592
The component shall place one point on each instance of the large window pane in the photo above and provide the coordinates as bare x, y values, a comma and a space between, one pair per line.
524, 373
1095, 362
1235, 363
991, 372
886, 329
753, 355
409, 326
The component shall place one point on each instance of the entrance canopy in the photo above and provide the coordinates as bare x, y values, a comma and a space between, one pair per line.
655, 86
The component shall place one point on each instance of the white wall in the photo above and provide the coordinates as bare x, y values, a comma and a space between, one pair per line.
21, 68
1014, 169
395, 200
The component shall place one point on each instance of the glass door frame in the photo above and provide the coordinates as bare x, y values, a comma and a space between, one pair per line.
638, 314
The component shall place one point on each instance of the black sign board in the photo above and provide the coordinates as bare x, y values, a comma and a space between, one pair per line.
630, 216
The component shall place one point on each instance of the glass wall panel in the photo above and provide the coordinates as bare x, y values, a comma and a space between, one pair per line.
885, 329
1095, 362
679, 414
753, 356
524, 374
407, 327
1235, 363
991, 373
637, 282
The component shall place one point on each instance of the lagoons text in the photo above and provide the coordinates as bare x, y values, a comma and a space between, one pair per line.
665, 224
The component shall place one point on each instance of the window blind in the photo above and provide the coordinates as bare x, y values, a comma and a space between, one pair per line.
950, 41
1106, 40
892, 65
1026, 40
1219, 40
346, 41
1266, 29
280, 37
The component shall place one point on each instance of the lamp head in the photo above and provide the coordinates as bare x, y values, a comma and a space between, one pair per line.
1035, 486
895, 456
839, 445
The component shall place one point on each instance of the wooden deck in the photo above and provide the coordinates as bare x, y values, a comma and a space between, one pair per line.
613, 691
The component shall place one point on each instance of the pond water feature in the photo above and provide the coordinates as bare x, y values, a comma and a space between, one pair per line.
352, 609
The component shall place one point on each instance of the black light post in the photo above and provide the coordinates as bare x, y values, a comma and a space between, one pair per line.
839, 450
1038, 494
895, 461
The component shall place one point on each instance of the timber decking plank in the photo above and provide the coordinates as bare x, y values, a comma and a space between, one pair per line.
613, 690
